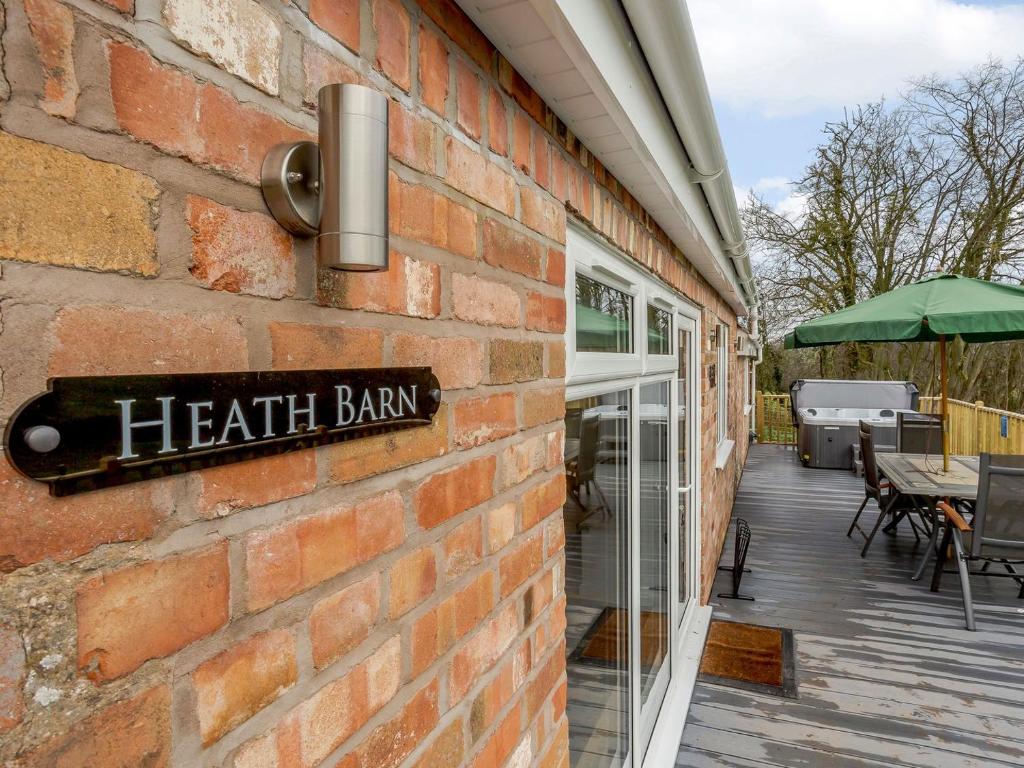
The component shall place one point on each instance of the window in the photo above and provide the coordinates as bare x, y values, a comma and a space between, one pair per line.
722, 381
603, 317
659, 331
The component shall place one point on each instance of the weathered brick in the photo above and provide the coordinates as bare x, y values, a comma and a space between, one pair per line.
131, 732
239, 682
446, 750
66, 209
542, 158
485, 302
412, 579
538, 597
463, 548
460, 28
542, 500
295, 346
292, 557
408, 287
12, 678
520, 90
239, 252
147, 611
522, 144
412, 139
554, 351
492, 699
339, 19
369, 456
542, 214
53, 33
541, 687
501, 526
557, 755
230, 488
542, 406
391, 23
389, 744
36, 526
481, 651
467, 99
419, 213
521, 460
508, 249
497, 122
433, 70
520, 564
501, 742
554, 268
238, 35
450, 493
474, 175
112, 340
384, 673
555, 533
321, 68
545, 313
483, 419
457, 362
438, 630
512, 360
338, 623
559, 174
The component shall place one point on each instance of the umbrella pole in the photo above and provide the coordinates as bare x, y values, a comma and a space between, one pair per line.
944, 376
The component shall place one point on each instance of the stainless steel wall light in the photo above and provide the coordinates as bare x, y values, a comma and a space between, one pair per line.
339, 189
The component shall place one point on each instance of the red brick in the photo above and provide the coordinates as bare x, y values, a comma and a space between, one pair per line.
494, 696
467, 99
461, 29
53, 33
501, 527
545, 313
447, 494
463, 548
481, 651
339, 623
497, 122
413, 579
483, 419
356, 459
542, 500
555, 353
114, 340
446, 750
419, 213
555, 532
437, 631
542, 214
520, 564
542, 158
520, 90
554, 269
227, 489
501, 742
389, 744
546, 681
391, 23
125, 6
474, 175
457, 362
290, 558
239, 252
433, 70
295, 346
130, 732
506, 248
559, 175
383, 673
321, 68
36, 526
557, 755
147, 611
542, 406
538, 597
485, 302
236, 684
12, 678
339, 19
512, 360
412, 139
522, 147
408, 287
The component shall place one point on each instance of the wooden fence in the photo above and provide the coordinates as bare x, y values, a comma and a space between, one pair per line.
973, 427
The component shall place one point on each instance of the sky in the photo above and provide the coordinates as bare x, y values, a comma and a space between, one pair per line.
778, 70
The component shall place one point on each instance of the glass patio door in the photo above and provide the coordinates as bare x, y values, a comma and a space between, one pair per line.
685, 447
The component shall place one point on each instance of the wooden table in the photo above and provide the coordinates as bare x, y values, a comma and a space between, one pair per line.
921, 477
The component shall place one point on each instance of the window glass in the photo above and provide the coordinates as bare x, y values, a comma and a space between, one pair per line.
659, 331
723, 381
603, 317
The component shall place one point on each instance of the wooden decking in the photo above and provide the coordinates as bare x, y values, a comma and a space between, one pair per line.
887, 673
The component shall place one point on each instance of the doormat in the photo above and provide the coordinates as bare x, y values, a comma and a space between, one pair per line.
605, 644
751, 657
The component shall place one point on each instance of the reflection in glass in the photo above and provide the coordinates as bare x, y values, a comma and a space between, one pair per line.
654, 556
597, 578
682, 448
659, 331
603, 317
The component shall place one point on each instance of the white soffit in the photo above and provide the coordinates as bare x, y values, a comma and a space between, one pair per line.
582, 58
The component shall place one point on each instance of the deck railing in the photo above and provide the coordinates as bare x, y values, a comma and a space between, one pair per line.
973, 427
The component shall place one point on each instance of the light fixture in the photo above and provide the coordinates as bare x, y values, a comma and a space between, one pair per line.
338, 190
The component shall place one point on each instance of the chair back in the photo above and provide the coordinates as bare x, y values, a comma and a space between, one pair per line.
918, 433
867, 455
588, 448
999, 514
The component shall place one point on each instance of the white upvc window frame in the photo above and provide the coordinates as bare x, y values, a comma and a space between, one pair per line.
722, 421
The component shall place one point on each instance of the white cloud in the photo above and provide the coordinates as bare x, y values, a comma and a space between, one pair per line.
789, 57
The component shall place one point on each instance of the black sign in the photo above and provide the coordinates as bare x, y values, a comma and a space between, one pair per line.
90, 432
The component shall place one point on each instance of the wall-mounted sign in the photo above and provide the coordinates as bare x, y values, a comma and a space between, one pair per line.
712, 376
90, 432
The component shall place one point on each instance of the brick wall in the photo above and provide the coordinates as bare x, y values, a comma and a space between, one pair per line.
392, 601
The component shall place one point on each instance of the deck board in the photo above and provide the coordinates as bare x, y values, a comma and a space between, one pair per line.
887, 673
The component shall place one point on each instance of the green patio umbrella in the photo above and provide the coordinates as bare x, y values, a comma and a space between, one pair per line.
933, 309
